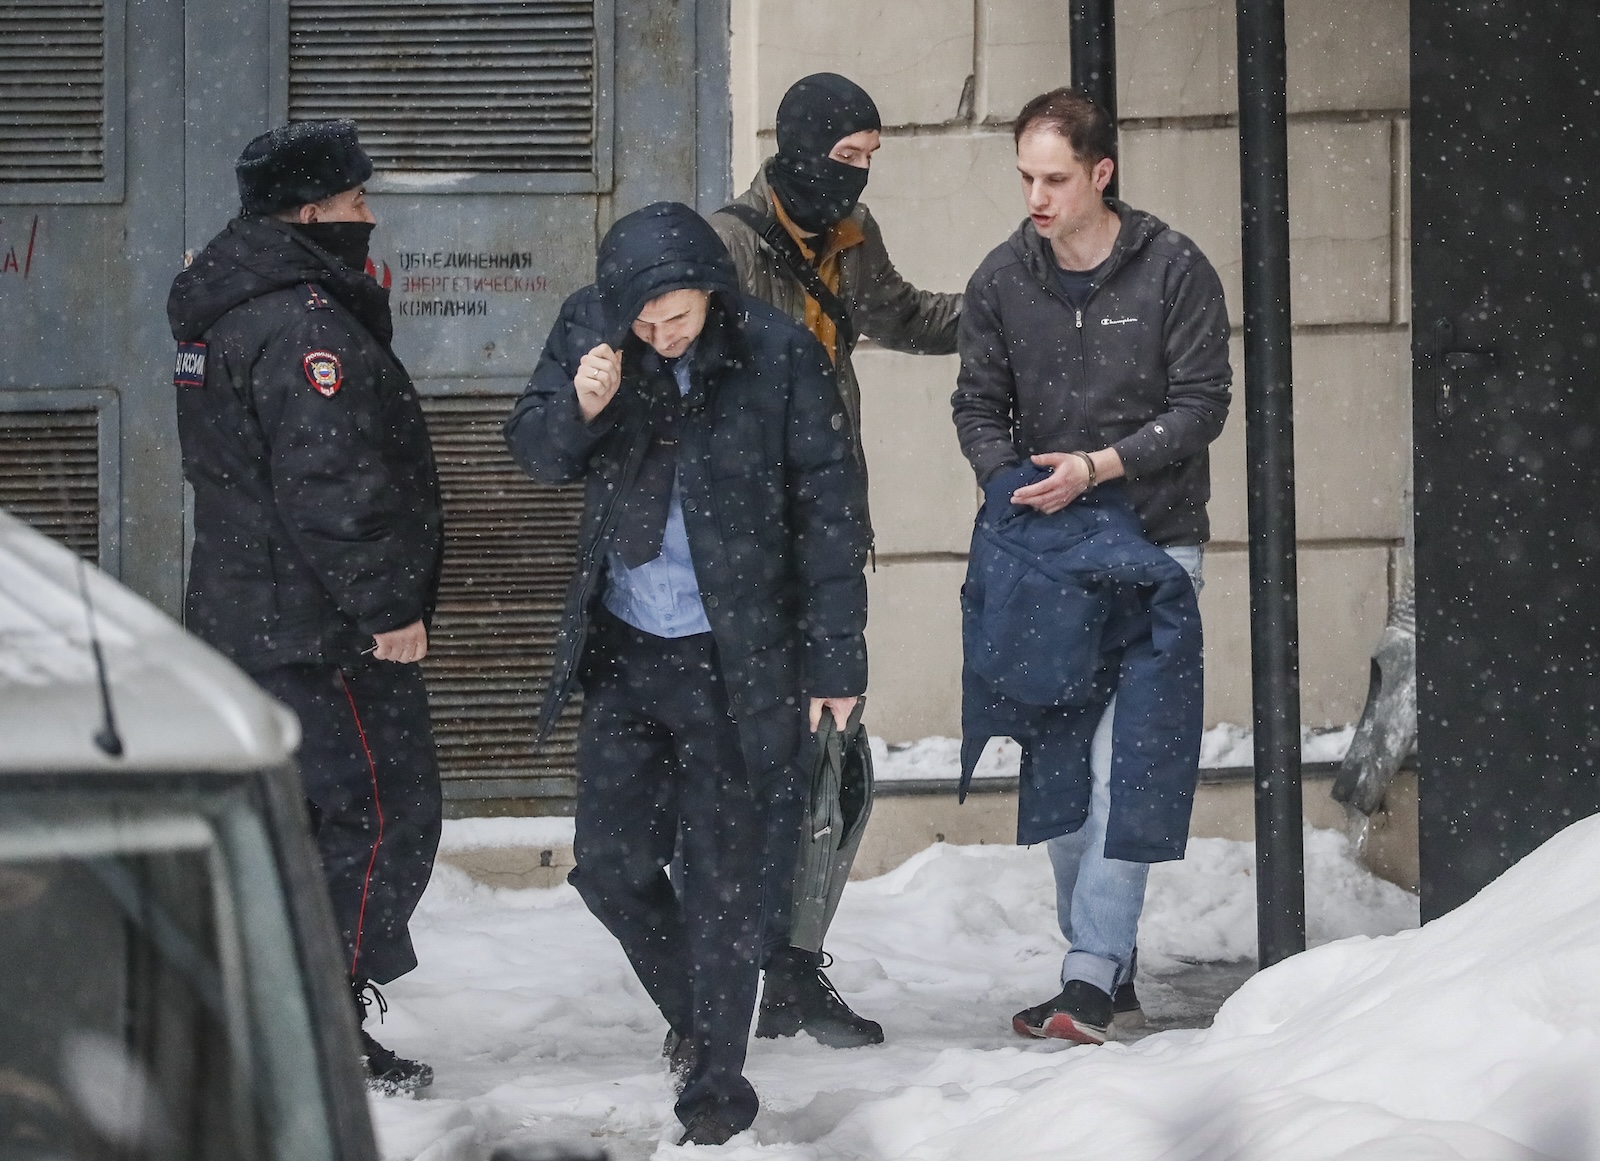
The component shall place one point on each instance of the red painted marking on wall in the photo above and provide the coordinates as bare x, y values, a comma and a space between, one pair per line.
23, 266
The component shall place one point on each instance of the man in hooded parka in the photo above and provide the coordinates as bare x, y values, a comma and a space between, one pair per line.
719, 595
800, 233
317, 531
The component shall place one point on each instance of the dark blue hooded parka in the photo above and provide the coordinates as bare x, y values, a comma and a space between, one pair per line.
774, 502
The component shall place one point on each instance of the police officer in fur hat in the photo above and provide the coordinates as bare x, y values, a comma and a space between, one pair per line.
317, 525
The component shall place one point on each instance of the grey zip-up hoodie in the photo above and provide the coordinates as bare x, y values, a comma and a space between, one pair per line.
1142, 368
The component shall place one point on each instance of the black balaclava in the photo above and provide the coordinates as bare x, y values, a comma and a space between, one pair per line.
349, 242
815, 115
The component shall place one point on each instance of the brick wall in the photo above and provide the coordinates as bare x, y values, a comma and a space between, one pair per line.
948, 75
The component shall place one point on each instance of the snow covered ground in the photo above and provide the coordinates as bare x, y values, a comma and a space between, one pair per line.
1446, 1043
1223, 746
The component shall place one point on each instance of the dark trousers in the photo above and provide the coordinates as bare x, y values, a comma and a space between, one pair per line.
659, 752
785, 817
372, 786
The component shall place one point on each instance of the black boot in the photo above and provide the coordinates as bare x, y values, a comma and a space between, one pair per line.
387, 1074
681, 1055
707, 1129
797, 998
1126, 1011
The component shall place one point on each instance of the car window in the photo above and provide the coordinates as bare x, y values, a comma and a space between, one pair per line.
120, 1033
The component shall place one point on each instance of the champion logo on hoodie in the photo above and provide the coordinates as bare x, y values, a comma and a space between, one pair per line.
1117, 322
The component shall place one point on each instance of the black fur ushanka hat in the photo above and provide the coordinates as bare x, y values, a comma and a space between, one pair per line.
295, 164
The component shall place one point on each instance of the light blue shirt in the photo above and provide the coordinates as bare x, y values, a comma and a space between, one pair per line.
661, 596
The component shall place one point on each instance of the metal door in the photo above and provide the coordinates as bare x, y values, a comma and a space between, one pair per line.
507, 133
1506, 382
91, 136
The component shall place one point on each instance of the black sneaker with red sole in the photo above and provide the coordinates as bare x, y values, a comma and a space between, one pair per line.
1126, 1011
1081, 1013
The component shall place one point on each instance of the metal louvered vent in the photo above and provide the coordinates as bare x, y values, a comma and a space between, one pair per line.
510, 549
485, 86
50, 475
52, 90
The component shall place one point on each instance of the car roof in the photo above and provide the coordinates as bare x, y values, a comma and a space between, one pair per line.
178, 704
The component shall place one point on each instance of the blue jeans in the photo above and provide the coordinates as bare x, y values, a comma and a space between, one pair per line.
1098, 900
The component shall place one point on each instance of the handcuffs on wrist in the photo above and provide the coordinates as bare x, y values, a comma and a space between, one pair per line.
1088, 462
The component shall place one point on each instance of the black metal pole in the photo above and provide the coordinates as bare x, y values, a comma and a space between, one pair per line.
1094, 57
1269, 452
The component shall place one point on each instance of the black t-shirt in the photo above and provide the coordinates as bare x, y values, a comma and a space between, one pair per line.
1077, 285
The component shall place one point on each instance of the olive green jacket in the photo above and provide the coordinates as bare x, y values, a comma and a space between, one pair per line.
882, 305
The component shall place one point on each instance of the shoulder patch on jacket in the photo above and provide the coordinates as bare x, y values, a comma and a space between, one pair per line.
315, 299
190, 368
324, 372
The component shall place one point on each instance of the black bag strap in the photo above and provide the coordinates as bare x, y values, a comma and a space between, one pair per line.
779, 241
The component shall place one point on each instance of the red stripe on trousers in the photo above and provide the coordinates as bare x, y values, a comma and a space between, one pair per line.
377, 806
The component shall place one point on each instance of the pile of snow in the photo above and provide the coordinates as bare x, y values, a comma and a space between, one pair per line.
1228, 745
1475, 1038
476, 834
1221, 747
940, 758
538, 1030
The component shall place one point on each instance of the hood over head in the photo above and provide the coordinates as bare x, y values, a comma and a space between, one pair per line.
256, 256
816, 114
661, 248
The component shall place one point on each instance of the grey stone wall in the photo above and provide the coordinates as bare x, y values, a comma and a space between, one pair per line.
948, 75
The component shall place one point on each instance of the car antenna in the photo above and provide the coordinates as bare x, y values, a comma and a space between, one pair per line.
106, 737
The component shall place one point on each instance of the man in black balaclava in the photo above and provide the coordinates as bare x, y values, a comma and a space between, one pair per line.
719, 595
802, 241
805, 203
816, 189
317, 533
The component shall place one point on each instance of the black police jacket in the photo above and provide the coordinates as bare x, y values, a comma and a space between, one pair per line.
774, 503
317, 517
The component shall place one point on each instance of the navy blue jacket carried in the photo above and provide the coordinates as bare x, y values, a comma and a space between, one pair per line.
774, 500
1060, 613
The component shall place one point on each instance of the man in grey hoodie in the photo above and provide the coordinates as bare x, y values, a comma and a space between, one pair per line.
1095, 342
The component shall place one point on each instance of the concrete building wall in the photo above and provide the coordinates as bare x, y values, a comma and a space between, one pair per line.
948, 76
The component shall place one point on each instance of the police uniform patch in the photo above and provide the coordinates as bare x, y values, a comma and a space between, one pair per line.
324, 372
190, 369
